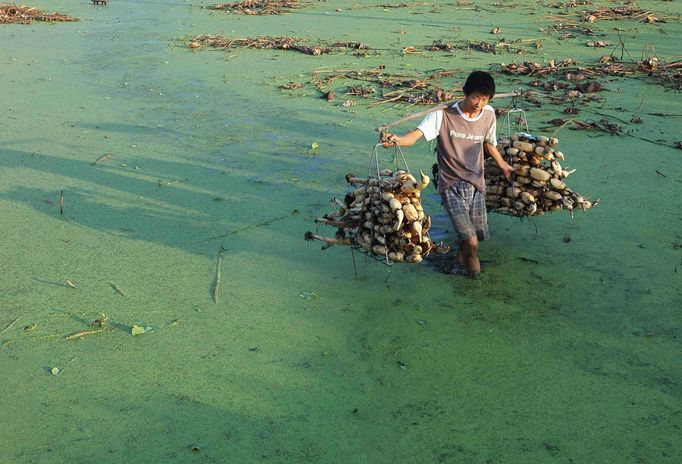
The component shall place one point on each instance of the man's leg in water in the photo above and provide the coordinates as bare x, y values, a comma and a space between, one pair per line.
468, 250
466, 208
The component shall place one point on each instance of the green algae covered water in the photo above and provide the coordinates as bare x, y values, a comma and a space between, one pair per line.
567, 349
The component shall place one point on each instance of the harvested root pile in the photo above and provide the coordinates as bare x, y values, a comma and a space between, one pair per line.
538, 186
383, 216
258, 7
25, 15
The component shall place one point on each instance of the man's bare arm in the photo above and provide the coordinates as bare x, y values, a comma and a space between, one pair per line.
405, 140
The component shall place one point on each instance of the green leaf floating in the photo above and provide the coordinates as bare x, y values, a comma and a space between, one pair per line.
137, 330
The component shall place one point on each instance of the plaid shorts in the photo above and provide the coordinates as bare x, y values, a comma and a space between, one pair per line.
466, 207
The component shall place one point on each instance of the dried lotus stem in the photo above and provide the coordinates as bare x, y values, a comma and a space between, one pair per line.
328, 240
216, 282
331, 222
353, 180
84, 333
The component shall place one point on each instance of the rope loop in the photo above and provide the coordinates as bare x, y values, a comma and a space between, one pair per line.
374, 159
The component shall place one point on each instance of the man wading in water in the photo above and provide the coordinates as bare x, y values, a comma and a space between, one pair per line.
464, 130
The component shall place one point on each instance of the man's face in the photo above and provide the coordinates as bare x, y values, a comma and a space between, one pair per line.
475, 101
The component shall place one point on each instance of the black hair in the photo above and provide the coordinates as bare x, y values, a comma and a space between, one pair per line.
481, 82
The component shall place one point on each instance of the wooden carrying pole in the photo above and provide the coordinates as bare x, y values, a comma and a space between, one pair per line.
442, 106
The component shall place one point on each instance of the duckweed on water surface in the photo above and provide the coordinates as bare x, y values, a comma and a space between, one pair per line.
564, 350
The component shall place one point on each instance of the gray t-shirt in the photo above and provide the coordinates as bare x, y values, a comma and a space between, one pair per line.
460, 143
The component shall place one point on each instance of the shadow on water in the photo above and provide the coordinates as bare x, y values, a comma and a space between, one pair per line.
172, 425
191, 205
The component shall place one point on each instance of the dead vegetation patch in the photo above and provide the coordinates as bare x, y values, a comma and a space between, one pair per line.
518, 46
263, 42
275, 43
602, 125
568, 30
620, 13
404, 5
388, 87
260, 7
666, 74
570, 4
18, 14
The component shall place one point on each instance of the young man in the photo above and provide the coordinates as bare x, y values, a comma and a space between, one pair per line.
463, 130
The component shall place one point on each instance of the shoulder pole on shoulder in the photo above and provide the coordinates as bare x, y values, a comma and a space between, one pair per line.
441, 106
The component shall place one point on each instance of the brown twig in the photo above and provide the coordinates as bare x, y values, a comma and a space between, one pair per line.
328, 240
104, 157
84, 333
331, 222
216, 283
9, 325
236, 231
117, 289
561, 127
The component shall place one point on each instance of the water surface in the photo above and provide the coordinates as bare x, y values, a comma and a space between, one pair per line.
567, 350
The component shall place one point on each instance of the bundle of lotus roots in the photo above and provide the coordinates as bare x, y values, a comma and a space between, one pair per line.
537, 186
383, 216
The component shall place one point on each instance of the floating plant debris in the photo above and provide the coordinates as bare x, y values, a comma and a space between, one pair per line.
100, 322
291, 85
273, 43
216, 282
138, 330
603, 125
84, 333
620, 13
568, 30
102, 158
394, 87
263, 42
260, 7
117, 289
666, 74
308, 295
501, 46
360, 91
10, 14
598, 43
